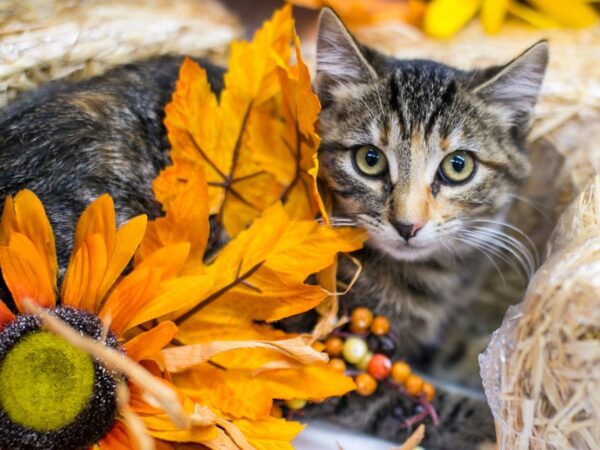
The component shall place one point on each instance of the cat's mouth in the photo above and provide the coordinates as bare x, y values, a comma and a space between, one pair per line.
402, 250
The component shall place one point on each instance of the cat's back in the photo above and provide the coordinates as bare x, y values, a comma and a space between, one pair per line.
70, 142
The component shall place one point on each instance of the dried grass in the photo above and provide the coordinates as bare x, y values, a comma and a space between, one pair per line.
43, 40
542, 369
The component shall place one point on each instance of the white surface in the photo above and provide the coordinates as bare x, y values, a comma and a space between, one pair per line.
324, 436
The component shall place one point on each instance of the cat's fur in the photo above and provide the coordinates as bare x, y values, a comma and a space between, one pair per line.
416, 113
71, 142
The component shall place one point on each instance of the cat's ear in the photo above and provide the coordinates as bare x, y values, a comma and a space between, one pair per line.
515, 86
339, 58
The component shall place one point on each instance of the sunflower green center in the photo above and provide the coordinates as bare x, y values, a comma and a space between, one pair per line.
45, 382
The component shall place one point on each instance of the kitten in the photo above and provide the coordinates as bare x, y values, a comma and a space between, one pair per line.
414, 151
426, 158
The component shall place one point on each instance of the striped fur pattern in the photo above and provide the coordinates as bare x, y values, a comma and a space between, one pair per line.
416, 113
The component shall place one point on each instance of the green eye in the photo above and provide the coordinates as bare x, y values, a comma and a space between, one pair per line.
370, 161
457, 167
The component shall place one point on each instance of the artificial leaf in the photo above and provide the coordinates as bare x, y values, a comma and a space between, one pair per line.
243, 393
270, 433
213, 134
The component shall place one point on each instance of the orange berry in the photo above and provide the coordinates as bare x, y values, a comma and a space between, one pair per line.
360, 320
338, 365
413, 385
428, 391
400, 371
334, 346
380, 326
276, 411
379, 366
365, 384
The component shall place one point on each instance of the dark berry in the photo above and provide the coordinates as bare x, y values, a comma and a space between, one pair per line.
387, 346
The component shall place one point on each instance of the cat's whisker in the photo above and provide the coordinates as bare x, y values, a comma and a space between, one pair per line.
493, 247
522, 253
533, 205
516, 230
483, 251
339, 221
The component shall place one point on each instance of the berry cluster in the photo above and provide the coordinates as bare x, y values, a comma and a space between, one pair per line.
363, 349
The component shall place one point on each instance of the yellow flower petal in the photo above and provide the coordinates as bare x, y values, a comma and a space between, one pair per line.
443, 18
573, 13
493, 13
25, 273
531, 16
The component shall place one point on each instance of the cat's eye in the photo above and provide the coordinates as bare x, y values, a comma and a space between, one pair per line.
370, 161
458, 167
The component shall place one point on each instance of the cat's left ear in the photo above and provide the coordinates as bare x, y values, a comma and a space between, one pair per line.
515, 87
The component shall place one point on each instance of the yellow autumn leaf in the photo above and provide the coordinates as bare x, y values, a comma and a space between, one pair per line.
214, 134
178, 189
270, 433
245, 394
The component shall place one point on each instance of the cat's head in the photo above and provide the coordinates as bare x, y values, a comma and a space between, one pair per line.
418, 153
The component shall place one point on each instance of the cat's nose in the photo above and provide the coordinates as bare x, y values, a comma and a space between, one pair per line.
407, 230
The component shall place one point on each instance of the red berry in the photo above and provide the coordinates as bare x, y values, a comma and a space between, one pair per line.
379, 366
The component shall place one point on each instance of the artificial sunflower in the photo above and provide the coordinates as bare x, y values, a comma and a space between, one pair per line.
443, 18
52, 394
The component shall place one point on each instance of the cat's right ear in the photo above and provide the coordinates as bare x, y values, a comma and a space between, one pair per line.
339, 59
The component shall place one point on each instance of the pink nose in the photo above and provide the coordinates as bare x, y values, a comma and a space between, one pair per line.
407, 230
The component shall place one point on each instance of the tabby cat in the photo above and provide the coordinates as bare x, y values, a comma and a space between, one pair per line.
425, 157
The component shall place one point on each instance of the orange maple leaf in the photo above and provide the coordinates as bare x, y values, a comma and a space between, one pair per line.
248, 159
257, 143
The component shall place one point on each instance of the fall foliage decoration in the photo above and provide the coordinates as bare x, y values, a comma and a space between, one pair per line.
444, 18
192, 316
257, 142
362, 348
360, 13
54, 395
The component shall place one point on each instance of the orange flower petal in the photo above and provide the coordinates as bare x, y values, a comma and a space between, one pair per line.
9, 221
6, 315
85, 273
25, 273
128, 239
117, 439
98, 217
129, 296
26, 215
150, 342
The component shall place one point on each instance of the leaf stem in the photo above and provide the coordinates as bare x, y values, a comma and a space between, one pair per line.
211, 298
